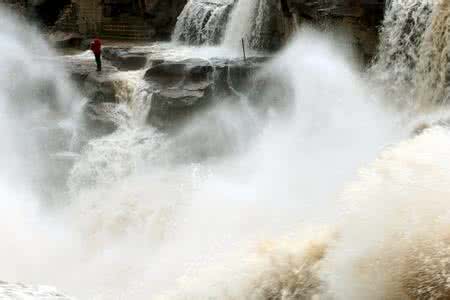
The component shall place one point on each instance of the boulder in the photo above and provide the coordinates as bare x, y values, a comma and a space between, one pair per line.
99, 88
188, 70
125, 59
182, 88
93, 84
171, 107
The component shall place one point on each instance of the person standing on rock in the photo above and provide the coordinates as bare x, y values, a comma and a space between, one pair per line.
96, 47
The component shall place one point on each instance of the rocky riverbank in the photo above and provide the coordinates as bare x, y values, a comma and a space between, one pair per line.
361, 18
176, 87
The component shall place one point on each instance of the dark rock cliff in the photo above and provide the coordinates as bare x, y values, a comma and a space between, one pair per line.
373, 9
162, 15
362, 18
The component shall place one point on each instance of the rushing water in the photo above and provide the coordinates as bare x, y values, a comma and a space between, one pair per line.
248, 21
225, 22
413, 55
203, 22
330, 197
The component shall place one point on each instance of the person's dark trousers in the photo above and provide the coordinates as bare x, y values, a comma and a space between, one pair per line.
98, 60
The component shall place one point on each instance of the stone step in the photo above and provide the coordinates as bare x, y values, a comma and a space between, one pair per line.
68, 28
121, 34
124, 37
128, 32
124, 26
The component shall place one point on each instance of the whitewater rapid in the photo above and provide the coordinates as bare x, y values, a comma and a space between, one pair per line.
321, 191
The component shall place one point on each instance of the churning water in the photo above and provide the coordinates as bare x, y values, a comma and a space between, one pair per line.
327, 198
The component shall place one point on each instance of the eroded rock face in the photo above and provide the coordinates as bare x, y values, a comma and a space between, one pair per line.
94, 85
125, 59
99, 88
162, 15
338, 8
178, 89
360, 17
182, 88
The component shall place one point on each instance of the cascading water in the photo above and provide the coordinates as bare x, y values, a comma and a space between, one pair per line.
403, 32
279, 217
241, 22
225, 22
203, 22
249, 21
413, 54
433, 79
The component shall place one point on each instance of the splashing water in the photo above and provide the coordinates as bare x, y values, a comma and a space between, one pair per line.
191, 218
38, 119
276, 217
393, 243
37, 108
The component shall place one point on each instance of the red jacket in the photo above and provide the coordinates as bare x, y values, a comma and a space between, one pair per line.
96, 47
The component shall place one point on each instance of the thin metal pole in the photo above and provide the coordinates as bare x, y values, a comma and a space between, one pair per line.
243, 49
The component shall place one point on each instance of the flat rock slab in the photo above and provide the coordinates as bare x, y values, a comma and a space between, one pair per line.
177, 87
81, 68
183, 87
126, 58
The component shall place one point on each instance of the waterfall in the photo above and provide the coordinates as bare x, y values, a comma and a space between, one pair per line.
226, 22
414, 53
241, 23
249, 20
433, 69
202, 22
332, 196
402, 35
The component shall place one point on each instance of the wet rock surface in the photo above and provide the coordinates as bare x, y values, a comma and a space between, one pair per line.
181, 88
97, 86
338, 8
360, 18
125, 59
177, 88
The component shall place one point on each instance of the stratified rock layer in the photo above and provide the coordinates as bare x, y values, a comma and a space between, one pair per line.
361, 18
184, 87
